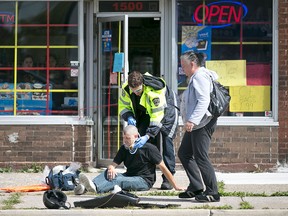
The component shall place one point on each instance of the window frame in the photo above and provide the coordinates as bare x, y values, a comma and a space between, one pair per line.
79, 119
255, 120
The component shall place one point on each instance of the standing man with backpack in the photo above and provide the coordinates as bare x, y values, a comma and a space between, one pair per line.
147, 103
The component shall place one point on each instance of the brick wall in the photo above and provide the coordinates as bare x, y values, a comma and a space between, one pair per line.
239, 149
232, 148
283, 81
22, 146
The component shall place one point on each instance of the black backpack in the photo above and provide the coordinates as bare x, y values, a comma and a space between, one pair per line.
59, 179
219, 99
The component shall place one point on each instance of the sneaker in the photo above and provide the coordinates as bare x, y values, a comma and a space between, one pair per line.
166, 186
207, 198
88, 184
189, 194
79, 189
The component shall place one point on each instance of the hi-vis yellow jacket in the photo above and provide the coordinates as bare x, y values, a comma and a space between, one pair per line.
160, 102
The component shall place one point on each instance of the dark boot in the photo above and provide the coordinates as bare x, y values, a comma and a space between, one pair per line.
166, 185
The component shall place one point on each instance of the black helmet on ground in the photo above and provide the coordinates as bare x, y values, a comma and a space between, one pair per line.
55, 199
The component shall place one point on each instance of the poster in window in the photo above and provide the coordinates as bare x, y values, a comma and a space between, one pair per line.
106, 40
197, 38
118, 65
250, 98
230, 72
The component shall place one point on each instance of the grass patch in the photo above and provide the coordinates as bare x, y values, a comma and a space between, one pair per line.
6, 170
12, 200
280, 193
243, 194
221, 186
34, 168
245, 205
224, 207
159, 193
221, 191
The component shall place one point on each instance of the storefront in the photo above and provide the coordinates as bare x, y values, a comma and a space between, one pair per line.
62, 64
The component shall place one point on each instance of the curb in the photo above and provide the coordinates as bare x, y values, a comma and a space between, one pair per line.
161, 212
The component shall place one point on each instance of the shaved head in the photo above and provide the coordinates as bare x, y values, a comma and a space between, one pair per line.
130, 134
130, 130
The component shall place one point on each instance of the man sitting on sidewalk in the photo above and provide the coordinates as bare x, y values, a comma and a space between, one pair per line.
141, 168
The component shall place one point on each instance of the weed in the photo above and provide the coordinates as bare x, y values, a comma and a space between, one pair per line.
280, 193
245, 205
6, 170
161, 193
242, 194
224, 207
34, 168
13, 199
221, 187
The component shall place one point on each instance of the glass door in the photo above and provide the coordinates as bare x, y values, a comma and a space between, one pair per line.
112, 72
141, 51
144, 45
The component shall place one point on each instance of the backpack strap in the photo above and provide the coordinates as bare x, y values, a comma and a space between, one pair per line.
49, 179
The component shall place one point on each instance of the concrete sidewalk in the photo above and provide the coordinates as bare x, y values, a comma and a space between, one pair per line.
260, 183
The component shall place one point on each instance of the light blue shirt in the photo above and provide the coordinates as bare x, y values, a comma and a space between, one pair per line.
196, 98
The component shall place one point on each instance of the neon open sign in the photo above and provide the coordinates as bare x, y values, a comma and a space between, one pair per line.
220, 14
7, 18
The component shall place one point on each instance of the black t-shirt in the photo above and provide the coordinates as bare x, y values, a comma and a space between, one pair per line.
140, 111
142, 163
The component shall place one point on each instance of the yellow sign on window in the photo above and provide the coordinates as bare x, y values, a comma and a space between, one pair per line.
231, 72
250, 98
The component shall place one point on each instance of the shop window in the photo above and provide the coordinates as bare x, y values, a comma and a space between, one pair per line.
38, 42
236, 37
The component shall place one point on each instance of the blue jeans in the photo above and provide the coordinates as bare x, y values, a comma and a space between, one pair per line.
127, 183
165, 143
168, 154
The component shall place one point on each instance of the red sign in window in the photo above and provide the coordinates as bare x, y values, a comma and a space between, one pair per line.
220, 14
7, 18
